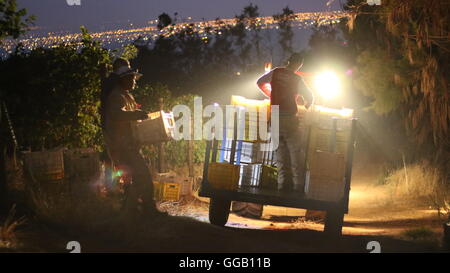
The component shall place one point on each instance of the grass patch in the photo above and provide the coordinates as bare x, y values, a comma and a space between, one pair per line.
420, 183
8, 237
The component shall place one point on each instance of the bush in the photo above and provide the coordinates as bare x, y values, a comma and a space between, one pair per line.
53, 94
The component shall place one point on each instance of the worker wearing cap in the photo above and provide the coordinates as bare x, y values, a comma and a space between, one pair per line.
108, 83
121, 111
286, 87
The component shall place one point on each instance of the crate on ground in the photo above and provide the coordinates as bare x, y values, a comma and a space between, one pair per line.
171, 191
45, 166
186, 186
166, 177
157, 190
171, 177
269, 177
82, 164
223, 175
159, 127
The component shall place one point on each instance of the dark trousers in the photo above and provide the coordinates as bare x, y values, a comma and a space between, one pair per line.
135, 168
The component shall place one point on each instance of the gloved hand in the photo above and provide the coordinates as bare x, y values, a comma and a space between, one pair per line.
141, 115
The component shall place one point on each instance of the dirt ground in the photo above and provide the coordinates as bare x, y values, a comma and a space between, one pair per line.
374, 215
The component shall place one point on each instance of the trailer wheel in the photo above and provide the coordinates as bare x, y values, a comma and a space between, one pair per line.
249, 210
334, 220
219, 210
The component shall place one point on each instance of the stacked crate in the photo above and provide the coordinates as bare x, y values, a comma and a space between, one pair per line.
223, 176
165, 187
250, 175
45, 166
82, 170
323, 140
82, 165
326, 176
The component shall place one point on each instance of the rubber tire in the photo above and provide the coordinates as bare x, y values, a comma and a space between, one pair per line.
334, 220
219, 210
248, 210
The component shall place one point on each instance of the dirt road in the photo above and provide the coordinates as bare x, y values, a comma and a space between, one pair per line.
372, 217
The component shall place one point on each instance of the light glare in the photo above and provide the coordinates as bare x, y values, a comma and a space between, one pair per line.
327, 84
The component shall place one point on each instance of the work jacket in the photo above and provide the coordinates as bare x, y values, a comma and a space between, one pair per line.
121, 112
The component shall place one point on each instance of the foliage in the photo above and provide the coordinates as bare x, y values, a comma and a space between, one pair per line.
405, 44
199, 63
419, 233
12, 20
286, 34
53, 100
387, 97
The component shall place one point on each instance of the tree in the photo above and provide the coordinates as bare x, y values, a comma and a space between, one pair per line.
13, 22
251, 13
54, 99
404, 44
286, 34
164, 20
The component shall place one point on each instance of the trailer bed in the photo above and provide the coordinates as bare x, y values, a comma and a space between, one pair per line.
268, 197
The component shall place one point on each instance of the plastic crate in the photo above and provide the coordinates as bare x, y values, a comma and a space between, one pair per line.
324, 188
171, 191
321, 140
45, 166
82, 164
157, 190
250, 175
186, 187
269, 177
326, 164
223, 175
159, 127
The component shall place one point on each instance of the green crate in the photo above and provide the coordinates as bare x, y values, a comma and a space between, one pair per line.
269, 177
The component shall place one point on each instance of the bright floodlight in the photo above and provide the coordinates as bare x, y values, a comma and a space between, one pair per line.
327, 84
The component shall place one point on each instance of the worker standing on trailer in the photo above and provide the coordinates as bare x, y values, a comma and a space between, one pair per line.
121, 110
286, 86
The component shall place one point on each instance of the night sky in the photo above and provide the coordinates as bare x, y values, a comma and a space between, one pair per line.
108, 14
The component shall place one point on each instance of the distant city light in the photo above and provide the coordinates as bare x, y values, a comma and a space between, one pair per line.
122, 37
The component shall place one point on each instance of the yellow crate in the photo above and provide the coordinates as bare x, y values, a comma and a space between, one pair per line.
269, 177
171, 191
223, 175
